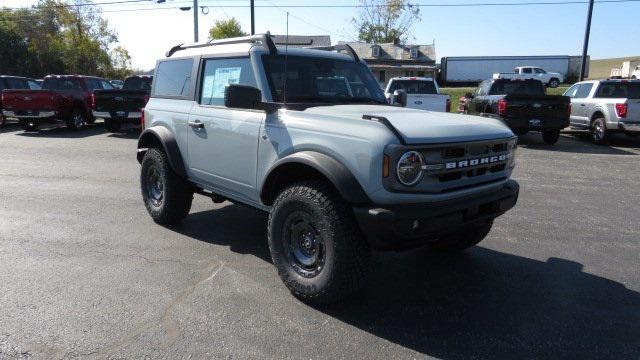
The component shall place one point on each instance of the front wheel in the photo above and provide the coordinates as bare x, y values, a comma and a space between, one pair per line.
551, 137
315, 243
462, 240
166, 195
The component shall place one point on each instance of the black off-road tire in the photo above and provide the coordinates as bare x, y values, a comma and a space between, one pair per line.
462, 240
76, 120
554, 83
599, 133
28, 126
345, 253
550, 137
157, 176
112, 125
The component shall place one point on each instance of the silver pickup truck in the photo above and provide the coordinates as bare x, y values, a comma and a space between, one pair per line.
339, 171
605, 107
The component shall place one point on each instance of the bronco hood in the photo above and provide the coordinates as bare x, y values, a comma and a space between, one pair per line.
420, 126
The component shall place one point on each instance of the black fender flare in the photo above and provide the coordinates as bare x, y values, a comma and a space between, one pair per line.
159, 135
336, 172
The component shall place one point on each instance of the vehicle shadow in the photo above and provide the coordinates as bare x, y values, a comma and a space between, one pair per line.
128, 134
64, 133
479, 304
10, 127
579, 142
241, 228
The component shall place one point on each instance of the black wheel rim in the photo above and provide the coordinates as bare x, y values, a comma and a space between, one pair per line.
155, 187
303, 244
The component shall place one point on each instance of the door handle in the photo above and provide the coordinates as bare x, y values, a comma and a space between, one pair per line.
583, 105
196, 124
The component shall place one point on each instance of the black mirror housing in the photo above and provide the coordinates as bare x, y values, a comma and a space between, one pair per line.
400, 97
242, 97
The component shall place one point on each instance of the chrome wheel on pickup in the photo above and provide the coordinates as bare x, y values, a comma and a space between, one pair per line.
599, 133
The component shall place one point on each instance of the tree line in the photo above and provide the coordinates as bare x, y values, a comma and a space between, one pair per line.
54, 37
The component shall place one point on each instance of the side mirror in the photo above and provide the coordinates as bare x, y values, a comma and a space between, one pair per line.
242, 97
400, 97
468, 95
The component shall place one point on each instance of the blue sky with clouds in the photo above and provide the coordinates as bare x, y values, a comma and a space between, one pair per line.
457, 31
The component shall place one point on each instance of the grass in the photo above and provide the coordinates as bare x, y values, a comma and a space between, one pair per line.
601, 69
458, 92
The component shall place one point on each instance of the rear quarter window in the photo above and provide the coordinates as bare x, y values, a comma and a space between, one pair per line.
173, 78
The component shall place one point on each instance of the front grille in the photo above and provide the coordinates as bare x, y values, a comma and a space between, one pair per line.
453, 167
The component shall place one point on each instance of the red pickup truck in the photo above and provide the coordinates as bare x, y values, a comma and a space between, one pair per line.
63, 99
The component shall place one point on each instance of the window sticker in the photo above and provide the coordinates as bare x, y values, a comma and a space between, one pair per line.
223, 76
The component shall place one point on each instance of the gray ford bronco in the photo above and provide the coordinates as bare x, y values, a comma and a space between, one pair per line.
307, 136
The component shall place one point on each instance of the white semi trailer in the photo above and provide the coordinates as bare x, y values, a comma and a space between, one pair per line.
474, 69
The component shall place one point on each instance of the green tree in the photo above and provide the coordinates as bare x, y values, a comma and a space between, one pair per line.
223, 29
60, 39
383, 21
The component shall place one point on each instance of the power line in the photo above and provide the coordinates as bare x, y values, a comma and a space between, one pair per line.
468, 4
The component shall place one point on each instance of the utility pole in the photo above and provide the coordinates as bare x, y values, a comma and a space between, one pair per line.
585, 47
253, 21
195, 20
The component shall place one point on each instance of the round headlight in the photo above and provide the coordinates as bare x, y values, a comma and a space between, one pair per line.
409, 168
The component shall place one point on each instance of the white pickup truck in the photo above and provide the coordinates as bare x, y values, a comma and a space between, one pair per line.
421, 93
551, 79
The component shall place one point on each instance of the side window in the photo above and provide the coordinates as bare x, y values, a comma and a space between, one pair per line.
218, 73
572, 91
105, 84
584, 91
93, 84
173, 78
539, 71
33, 85
526, 70
18, 84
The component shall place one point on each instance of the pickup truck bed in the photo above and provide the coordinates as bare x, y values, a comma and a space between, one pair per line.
122, 106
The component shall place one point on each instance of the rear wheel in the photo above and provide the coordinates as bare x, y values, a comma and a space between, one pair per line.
112, 125
462, 240
551, 137
554, 83
166, 195
315, 243
76, 121
599, 133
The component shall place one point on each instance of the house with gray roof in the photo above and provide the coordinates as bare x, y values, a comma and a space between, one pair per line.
394, 59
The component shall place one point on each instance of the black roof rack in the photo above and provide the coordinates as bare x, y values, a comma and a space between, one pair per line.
338, 47
265, 39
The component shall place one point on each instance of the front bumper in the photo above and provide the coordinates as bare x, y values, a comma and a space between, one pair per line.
404, 226
629, 126
532, 124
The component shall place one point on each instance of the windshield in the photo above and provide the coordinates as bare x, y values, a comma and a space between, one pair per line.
619, 90
517, 88
414, 86
321, 80
137, 83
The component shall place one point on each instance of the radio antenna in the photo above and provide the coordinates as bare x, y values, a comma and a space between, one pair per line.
286, 74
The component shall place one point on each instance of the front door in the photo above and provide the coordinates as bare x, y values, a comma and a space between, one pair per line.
223, 142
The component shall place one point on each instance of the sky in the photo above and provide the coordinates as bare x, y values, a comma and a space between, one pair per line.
148, 29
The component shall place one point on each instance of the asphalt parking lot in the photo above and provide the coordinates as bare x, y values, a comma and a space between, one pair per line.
84, 272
